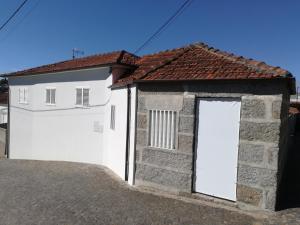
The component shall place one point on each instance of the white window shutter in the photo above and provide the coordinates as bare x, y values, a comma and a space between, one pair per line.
20, 97
25, 95
48, 96
78, 96
85, 96
53, 96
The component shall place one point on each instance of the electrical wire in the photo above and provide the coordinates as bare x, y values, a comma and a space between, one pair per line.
178, 12
21, 21
13, 15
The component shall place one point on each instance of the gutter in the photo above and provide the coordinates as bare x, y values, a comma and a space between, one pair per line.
128, 133
291, 81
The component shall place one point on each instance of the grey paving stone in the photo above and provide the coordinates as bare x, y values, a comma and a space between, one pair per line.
62, 193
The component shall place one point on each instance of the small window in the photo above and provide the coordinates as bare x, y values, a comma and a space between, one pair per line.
50, 96
82, 96
112, 117
23, 95
162, 129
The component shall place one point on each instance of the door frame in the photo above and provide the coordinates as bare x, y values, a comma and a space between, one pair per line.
196, 127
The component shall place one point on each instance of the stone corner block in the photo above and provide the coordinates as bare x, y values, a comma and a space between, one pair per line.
185, 143
266, 132
164, 177
270, 202
186, 124
170, 159
188, 107
253, 108
141, 137
249, 195
142, 121
251, 153
276, 109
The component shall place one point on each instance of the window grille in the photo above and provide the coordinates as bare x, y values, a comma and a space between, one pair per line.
162, 129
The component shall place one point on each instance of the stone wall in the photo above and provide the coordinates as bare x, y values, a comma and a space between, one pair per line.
258, 150
262, 146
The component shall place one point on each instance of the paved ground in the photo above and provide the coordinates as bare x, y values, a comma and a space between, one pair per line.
35, 192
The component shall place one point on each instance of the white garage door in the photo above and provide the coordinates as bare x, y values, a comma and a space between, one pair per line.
217, 147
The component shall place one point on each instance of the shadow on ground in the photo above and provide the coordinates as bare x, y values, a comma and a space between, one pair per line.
289, 195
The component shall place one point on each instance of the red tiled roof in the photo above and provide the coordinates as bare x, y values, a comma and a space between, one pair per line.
118, 57
200, 62
193, 62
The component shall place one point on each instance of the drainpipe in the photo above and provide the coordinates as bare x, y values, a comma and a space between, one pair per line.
7, 126
128, 132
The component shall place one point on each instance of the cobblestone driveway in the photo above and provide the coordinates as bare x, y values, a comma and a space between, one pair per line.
34, 192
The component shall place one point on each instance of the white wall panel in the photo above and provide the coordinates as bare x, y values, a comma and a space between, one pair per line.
63, 131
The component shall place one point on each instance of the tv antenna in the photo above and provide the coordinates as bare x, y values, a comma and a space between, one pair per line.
76, 52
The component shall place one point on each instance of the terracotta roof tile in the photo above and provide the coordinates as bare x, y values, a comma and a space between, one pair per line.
193, 62
118, 57
200, 62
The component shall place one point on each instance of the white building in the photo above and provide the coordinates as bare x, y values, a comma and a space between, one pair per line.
67, 111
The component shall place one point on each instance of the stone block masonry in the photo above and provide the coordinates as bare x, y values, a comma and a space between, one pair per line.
260, 135
262, 144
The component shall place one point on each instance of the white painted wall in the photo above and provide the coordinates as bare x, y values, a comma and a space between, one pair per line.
115, 140
63, 131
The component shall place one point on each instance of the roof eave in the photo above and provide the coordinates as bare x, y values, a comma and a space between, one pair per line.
67, 70
288, 77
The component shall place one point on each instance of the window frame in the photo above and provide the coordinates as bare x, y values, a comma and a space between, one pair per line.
51, 89
162, 129
23, 99
82, 105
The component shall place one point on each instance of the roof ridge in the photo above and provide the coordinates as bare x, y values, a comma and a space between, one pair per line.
117, 57
167, 50
69, 60
184, 50
123, 52
249, 62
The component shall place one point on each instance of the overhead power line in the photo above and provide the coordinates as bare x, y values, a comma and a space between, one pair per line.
178, 12
14, 28
13, 15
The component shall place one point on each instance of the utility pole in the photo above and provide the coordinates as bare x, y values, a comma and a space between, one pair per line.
76, 52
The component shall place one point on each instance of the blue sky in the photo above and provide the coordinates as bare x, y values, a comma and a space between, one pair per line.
46, 30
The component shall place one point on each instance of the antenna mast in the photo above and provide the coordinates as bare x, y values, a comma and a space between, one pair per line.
76, 52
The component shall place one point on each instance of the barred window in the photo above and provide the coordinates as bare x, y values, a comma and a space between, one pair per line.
162, 129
